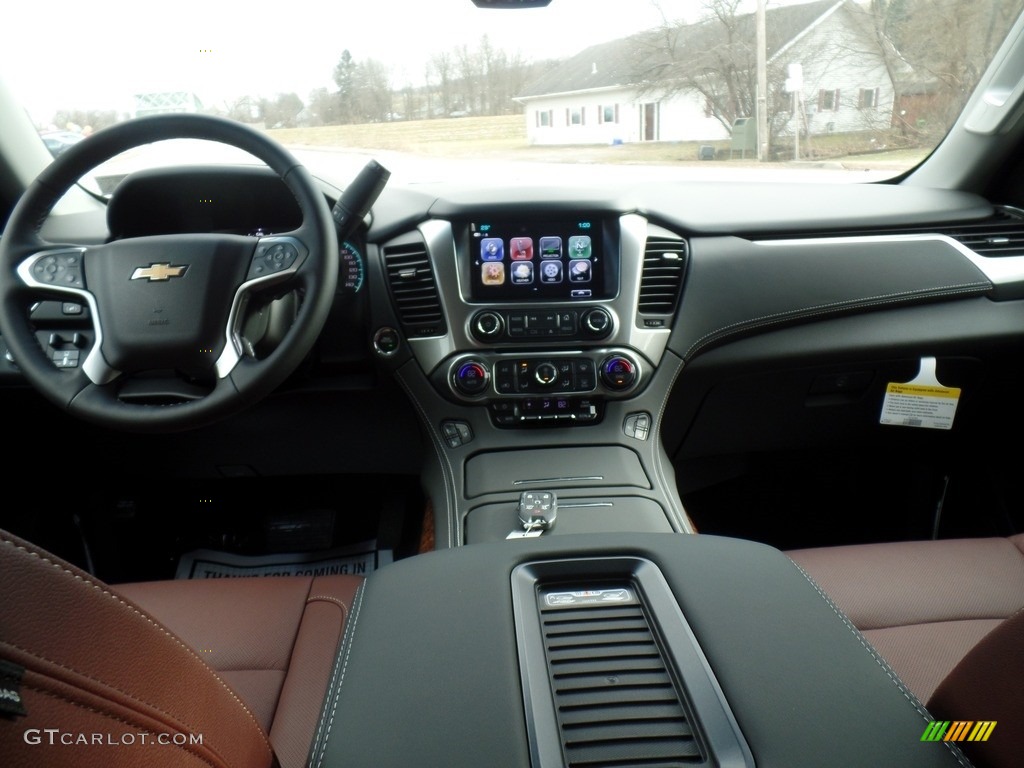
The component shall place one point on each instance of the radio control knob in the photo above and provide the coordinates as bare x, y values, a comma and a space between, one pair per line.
546, 374
597, 322
471, 377
488, 325
618, 372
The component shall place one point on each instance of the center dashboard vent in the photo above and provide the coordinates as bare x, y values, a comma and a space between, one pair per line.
661, 281
414, 290
615, 702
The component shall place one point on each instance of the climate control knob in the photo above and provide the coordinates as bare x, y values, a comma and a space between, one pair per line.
618, 372
546, 374
471, 377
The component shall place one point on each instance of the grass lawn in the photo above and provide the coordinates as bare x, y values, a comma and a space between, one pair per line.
505, 137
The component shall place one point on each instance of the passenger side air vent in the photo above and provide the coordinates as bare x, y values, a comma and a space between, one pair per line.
413, 290
662, 278
1000, 235
615, 701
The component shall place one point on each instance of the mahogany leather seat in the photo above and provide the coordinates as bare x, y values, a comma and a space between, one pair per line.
243, 663
948, 617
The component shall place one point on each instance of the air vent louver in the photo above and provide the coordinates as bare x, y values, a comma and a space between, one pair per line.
411, 280
662, 277
615, 701
1001, 235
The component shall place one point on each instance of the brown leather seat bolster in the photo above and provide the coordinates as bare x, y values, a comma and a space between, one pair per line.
917, 582
922, 604
313, 657
96, 663
985, 686
273, 639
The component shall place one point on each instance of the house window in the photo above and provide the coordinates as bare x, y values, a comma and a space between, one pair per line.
828, 100
608, 114
576, 116
868, 98
545, 118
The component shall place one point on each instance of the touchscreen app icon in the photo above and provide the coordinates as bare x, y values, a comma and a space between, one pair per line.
579, 271
551, 272
492, 249
522, 272
521, 248
492, 273
579, 247
551, 247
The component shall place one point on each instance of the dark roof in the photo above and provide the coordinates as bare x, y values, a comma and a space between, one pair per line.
628, 61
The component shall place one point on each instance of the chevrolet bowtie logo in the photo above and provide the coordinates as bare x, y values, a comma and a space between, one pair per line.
158, 272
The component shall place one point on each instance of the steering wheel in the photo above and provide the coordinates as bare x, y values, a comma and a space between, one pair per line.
168, 302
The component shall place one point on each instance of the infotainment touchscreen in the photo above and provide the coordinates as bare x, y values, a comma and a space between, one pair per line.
556, 259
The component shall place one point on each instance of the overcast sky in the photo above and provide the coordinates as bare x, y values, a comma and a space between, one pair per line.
98, 53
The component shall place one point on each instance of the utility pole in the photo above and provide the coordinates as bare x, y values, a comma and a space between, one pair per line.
762, 86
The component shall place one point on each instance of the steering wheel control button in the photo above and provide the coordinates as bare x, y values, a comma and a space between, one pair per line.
59, 270
274, 256
456, 433
471, 378
618, 373
71, 308
67, 358
637, 426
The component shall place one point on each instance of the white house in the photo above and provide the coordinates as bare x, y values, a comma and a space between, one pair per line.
653, 87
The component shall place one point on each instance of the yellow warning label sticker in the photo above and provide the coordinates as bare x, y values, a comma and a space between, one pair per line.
920, 405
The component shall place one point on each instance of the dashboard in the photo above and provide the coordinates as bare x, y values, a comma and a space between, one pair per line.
598, 340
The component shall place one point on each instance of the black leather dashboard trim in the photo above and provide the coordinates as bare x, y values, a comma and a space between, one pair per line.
737, 288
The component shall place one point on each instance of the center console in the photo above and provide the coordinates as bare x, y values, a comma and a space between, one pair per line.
626, 649
543, 366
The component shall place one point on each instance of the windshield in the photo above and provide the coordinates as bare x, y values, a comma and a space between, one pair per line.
446, 90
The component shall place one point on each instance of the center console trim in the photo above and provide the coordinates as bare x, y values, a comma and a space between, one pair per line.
695, 681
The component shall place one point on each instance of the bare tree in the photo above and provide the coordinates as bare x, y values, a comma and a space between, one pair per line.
714, 57
441, 68
372, 93
948, 43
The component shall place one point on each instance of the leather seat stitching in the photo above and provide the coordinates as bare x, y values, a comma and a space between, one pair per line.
329, 599
102, 683
150, 621
109, 716
938, 621
889, 671
338, 676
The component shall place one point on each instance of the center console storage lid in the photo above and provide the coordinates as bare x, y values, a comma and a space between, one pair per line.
560, 468
429, 671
